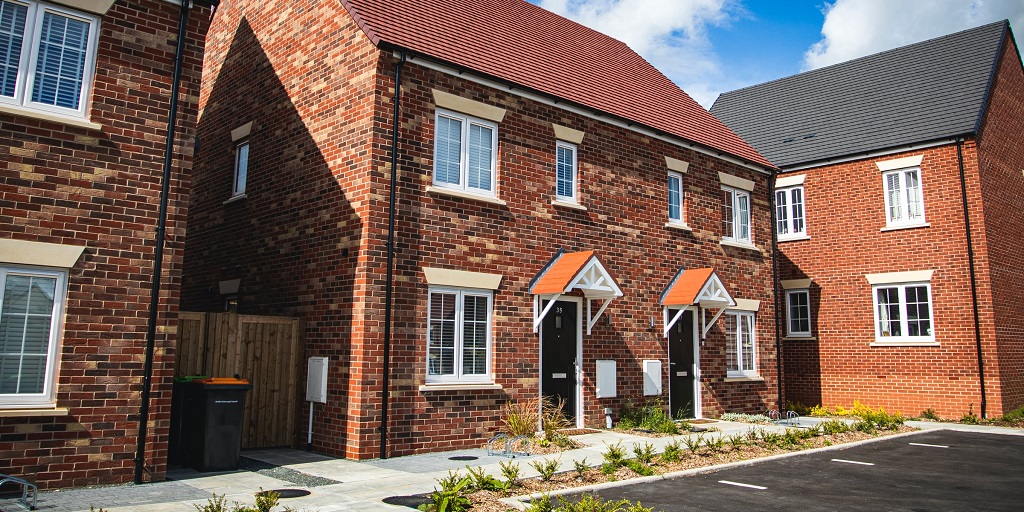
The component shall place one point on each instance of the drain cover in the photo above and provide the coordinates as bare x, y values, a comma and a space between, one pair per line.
413, 501
289, 493
463, 457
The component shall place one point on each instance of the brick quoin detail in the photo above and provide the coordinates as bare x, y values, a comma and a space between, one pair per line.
309, 239
100, 188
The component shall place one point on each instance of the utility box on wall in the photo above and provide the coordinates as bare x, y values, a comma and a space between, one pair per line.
316, 380
606, 378
652, 377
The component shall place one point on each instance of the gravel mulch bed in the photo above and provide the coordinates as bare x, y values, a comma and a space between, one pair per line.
488, 501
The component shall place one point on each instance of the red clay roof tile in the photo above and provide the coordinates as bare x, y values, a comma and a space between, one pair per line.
518, 42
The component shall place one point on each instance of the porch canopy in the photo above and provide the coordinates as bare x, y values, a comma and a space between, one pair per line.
568, 272
700, 287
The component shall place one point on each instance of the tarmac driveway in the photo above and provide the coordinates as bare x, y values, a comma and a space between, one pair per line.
931, 471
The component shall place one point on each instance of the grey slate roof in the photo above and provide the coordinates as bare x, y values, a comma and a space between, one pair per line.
926, 91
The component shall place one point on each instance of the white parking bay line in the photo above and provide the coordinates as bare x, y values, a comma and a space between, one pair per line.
854, 462
737, 484
929, 445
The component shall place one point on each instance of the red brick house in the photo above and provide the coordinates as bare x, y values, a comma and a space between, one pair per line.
84, 101
549, 191
898, 211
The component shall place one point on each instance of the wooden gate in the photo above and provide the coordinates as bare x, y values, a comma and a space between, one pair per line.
266, 350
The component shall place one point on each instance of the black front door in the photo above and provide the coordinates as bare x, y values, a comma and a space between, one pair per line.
681, 368
558, 357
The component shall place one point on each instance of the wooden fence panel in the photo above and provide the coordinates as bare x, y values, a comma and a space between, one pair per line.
265, 350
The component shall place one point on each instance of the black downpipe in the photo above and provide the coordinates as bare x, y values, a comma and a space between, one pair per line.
161, 227
974, 282
775, 291
388, 300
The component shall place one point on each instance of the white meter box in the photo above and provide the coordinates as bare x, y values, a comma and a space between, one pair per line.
316, 380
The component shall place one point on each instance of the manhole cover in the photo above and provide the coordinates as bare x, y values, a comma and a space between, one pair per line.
463, 457
290, 493
413, 501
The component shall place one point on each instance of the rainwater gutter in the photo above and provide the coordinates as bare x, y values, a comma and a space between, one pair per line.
390, 279
974, 282
159, 238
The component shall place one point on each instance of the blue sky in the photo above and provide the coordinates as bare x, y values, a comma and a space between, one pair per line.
712, 46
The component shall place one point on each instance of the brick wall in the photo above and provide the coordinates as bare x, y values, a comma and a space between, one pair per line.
1001, 159
845, 221
100, 188
309, 239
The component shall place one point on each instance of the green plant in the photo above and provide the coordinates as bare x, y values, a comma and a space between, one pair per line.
581, 467
715, 444
650, 416
510, 470
747, 418
818, 410
693, 443
591, 503
643, 453
832, 427
798, 408
91, 509
563, 441
672, 451
864, 426
265, 502
737, 441
214, 504
484, 482
1014, 415
929, 414
520, 417
452, 495
970, 418
546, 467
552, 417
614, 455
771, 439
639, 467
542, 504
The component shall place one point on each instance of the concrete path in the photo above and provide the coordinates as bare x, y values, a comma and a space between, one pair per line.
361, 486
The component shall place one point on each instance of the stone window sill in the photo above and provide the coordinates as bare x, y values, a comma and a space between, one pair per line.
29, 413
794, 238
905, 344
454, 386
908, 226
463, 195
234, 198
800, 338
46, 116
681, 226
741, 245
568, 204
744, 379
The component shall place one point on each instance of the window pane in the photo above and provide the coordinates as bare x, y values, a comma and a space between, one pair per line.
474, 335
889, 312
798, 210
730, 343
913, 186
743, 217
727, 214
441, 334
241, 167
781, 213
892, 185
799, 313
675, 200
60, 64
566, 173
448, 150
747, 343
480, 157
12, 36
918, 321
25, 319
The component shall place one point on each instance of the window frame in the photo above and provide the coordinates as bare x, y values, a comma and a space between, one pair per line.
467, 122
572, 148
785, 215
681, 219
734, 195
904, 206
27, 62
903, 311
237, 190
744, 370
789, 310
47, 398
458, 376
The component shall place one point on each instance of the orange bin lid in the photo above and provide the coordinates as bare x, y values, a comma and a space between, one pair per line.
220, 381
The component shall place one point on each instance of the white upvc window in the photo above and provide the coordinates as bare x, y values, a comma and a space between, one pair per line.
566, 183
736, 215
675, 197
31, 321
465, 153
798, 306
789, 212
903, 312
459, 335
241, 168
47, 57
904, 203
740, 343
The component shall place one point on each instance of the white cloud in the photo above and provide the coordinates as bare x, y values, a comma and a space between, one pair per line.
670, 34
855, 28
